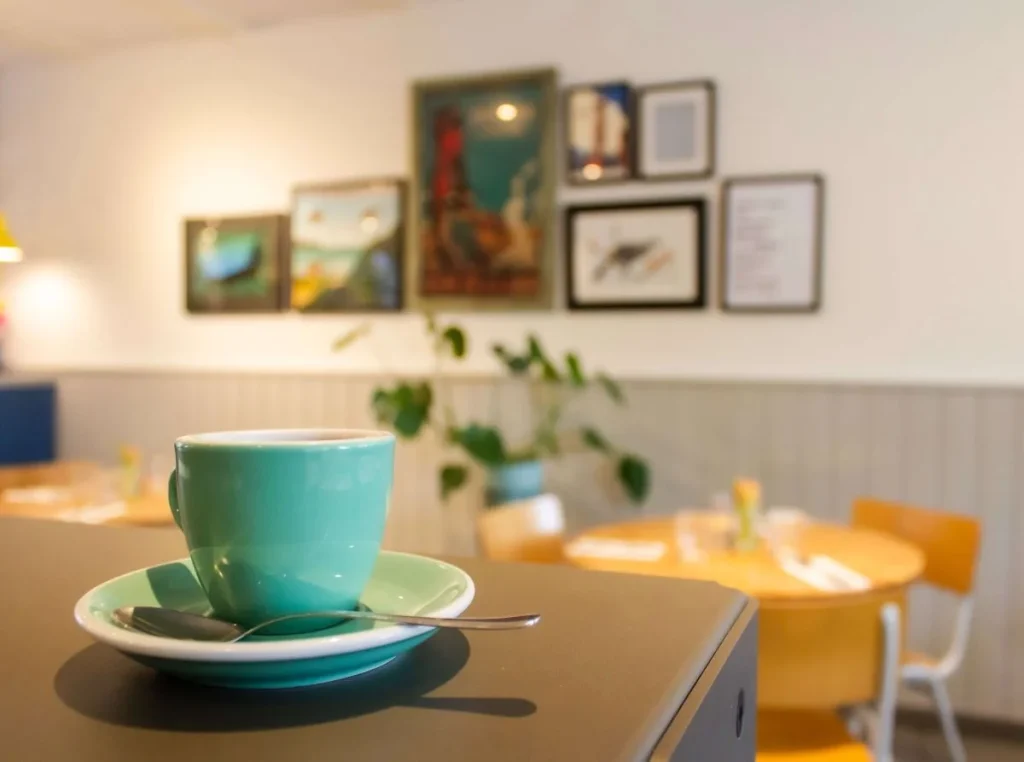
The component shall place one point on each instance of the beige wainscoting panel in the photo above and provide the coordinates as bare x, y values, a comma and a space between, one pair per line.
813, 446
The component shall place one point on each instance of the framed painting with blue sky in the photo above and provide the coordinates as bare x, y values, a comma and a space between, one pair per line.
599, 132
235, 264
483, 191
347, 248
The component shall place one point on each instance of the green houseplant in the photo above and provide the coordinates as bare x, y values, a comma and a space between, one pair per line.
410, 407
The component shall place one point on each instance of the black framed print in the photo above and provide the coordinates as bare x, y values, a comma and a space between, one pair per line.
771, 243
676, 126
642, 255
599, 133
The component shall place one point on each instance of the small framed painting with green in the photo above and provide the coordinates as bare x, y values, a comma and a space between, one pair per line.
235, 264
483, 192
348, 243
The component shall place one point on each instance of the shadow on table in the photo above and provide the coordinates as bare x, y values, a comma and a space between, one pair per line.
105, 685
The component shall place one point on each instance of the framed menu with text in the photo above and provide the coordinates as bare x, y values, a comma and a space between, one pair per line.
771, 257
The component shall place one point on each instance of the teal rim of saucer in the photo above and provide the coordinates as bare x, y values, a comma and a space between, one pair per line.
401, 583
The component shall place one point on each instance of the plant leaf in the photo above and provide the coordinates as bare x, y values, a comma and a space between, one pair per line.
548, 370
383, 405
423, 395
453, 476
534, 347
406, 408
516, 365
456, 339
351, 337
431, 322
612, 388
635, 477
593, 439
483, 443
576, 377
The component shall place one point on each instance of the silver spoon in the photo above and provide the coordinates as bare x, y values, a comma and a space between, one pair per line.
182, 625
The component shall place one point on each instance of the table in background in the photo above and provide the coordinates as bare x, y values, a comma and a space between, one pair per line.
149, 508
890, 565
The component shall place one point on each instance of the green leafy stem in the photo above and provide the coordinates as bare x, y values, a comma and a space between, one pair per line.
410, 407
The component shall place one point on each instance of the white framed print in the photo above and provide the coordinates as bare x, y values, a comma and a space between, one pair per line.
643, 255
771, 251
676, 130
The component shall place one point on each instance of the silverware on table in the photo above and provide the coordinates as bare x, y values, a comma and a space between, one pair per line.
182, 625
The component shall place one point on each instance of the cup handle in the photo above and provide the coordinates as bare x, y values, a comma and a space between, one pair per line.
172, 497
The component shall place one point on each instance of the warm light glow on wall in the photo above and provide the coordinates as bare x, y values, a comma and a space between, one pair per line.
47, 297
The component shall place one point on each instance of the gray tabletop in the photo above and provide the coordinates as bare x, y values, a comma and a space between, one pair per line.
598, 679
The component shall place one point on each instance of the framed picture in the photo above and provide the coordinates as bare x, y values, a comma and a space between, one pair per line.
771, 248
647, 255
599, 132
348, 241
483, 192
235, 264
677, 131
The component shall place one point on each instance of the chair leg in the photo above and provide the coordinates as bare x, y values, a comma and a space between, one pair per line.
956, 745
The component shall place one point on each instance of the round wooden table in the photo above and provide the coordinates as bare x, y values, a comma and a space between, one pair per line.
889, 563
784, 680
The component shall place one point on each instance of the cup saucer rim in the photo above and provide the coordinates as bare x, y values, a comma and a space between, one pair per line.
313, 646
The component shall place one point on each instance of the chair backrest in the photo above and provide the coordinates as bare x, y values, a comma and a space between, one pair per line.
949, 541
529, 530
825, 654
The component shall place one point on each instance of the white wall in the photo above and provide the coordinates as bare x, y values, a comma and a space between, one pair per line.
912, 110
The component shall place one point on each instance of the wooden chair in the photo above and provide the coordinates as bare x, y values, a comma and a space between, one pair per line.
530, 530
840, 653
950, 543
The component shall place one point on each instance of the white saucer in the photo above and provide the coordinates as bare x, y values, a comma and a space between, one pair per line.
402, 583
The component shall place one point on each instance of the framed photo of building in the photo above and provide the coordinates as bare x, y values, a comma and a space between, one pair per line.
771, 248
483, 192
347, 246
236, 264
599, 133
676, 131
646, 255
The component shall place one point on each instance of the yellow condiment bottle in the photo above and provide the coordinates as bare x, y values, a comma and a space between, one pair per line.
746, 497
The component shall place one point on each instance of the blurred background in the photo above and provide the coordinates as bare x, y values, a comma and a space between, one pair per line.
120, 120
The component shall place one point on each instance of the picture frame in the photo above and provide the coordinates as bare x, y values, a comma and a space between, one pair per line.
676, 130
482, 195
655, 250
235, 264
348, 244
772, 243
599, 133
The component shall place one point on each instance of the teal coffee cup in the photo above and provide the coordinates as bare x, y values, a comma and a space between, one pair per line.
282, 521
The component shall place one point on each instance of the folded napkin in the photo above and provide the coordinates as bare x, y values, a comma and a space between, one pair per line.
843, 574
808, 574
627, 550
36, 495
94, 514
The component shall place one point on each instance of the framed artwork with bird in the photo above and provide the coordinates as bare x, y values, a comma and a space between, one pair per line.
640, 255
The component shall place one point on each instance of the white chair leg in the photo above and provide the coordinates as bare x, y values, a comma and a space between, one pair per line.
956, 745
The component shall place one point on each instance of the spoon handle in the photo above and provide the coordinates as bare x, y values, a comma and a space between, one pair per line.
514, 622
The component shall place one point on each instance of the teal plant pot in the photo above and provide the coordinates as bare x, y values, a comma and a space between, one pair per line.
514, 481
